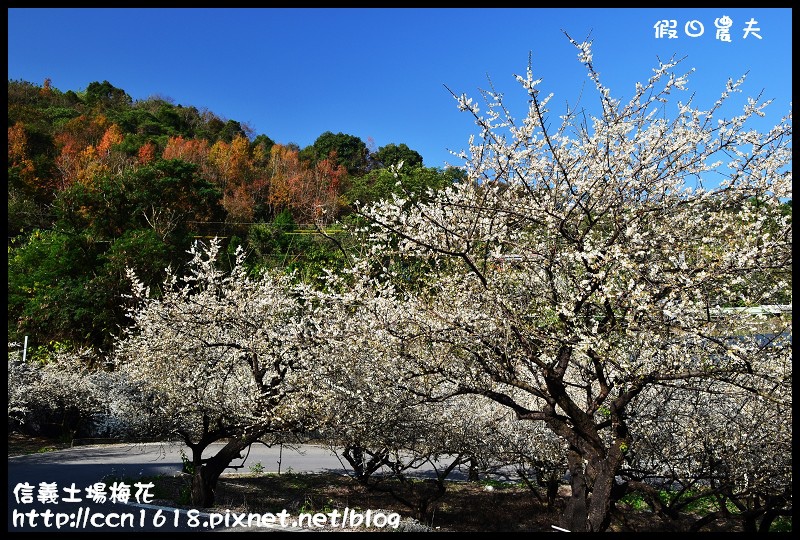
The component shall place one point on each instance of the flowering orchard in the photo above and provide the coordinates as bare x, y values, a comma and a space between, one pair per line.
566, 310
219, 357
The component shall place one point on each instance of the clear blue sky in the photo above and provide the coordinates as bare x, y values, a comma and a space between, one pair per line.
379, 73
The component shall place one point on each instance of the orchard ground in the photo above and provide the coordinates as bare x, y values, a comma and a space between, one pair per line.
488, 506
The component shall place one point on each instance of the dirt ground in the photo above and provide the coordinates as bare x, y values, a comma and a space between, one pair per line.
19, 444
465, 506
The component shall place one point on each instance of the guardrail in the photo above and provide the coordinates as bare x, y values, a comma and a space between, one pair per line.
773, 309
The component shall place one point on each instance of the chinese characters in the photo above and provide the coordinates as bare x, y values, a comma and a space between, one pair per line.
669, 29
118, 492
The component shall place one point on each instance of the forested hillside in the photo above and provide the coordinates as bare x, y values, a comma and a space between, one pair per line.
98, 182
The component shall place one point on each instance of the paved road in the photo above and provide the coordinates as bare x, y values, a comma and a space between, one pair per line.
83, 466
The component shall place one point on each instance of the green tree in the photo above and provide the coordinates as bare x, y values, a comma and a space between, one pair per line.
408, 182
69, 287
392, 154
67, 284
106, 96
46, 286
351, 152
281, 244
138, 121
260, 148
168, 196
24, 214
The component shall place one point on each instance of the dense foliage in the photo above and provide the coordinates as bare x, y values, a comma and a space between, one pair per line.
98, 181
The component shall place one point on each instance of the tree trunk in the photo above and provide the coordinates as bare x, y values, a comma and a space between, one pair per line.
552, 490
473, 470
588, 508
766, 522
600, 502
207, 472
204, 484
575, 516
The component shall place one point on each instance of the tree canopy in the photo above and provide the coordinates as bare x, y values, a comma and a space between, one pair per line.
583, 266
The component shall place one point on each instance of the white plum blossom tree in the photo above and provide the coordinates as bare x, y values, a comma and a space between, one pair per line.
21, 376
386, 429
62, 393
585, 263
219, 357
725, 443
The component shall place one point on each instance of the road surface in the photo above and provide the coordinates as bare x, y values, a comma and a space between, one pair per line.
67, 506
71, 471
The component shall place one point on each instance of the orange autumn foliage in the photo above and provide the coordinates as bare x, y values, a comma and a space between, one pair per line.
189, 150
146, 153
